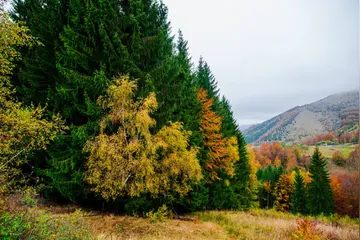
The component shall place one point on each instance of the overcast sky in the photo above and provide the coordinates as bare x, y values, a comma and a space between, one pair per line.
271, 55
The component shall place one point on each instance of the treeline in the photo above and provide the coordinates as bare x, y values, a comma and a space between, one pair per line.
304, 187
276, 154
132, 124
333, 139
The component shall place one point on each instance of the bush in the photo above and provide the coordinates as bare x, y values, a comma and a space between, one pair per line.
161, 215
37, 224
338, 158
21, 219
306, 230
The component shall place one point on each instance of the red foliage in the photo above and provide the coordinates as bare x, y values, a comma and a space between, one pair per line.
345, 188
323, 137
354, 157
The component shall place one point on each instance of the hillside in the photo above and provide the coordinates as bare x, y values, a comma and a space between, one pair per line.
333, 113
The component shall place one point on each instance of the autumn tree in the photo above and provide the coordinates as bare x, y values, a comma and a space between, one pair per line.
354, 158
222, 152
345, 186
338, 158
299, 194
320, 195
254, 166
126, 159
283, 191
23, 129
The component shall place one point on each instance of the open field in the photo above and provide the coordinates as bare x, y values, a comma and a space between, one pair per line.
254, 224
328, 151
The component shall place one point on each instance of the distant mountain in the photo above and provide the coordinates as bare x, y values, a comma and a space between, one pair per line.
245, 126
333, 113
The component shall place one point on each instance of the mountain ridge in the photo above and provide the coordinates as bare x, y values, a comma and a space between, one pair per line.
336, 112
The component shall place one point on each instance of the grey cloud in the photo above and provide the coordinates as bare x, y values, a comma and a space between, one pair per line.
269, 56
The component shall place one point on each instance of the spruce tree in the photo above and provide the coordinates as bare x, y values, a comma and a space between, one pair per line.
320, 195
299, 195
206, 80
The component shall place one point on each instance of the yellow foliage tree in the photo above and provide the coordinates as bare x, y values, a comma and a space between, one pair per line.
254, 166
283, 191
130, 159
22, 129
222, 152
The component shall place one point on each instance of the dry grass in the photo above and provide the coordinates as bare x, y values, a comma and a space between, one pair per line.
125, 227
256, 224
262, 224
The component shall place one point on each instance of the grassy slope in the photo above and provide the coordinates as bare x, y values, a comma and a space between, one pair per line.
328, 151
254, 224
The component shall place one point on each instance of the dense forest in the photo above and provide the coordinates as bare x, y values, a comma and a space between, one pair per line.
101, 106
84, 63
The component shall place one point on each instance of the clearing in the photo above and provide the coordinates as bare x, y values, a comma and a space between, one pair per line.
328, 151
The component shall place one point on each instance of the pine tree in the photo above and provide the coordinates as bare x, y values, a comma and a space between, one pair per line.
299, 195
320, 195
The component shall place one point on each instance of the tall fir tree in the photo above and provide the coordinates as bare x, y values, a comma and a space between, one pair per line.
299, 198
206, 80
320, 195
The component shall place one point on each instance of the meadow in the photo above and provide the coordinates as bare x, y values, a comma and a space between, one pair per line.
259, 224
328, 150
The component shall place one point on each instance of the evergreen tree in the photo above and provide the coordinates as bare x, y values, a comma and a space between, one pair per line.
320, 195
236, 188
299, 195
176, 93
206, 80
37, 74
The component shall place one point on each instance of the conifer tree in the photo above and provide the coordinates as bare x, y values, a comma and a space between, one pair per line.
206, 80
299, 195
320, 195
221, 153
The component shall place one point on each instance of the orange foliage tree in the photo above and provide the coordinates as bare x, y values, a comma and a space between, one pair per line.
345, 188
222, 152
354, 157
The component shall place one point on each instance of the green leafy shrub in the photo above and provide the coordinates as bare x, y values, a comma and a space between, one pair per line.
39, 225
161, 215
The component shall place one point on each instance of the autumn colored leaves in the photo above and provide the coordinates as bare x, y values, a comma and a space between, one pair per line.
126, 159
222, 152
